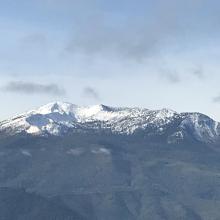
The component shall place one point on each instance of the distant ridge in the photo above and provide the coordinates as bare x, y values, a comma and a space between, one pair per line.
58, 118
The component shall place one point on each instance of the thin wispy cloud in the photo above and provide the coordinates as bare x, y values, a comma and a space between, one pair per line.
216, 99
169, 75
35, 38
30, 88
199, 73
91, 93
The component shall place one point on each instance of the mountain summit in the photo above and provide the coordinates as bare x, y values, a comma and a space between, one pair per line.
59, 118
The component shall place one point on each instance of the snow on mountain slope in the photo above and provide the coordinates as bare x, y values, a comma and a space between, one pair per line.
58, 117
201, 126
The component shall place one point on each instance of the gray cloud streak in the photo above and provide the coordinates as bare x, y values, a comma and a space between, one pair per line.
91, 93
216, 99
30, 88
172, 77
198, 72
130, 42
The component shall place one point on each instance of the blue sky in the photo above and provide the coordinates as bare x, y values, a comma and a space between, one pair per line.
151, 54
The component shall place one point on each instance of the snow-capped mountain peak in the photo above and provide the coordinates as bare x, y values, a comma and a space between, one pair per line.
59, 117
60, 107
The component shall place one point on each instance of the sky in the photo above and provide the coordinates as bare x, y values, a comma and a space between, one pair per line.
146, 53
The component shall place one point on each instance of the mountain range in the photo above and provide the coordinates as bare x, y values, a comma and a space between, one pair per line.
60, 118
63, 161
